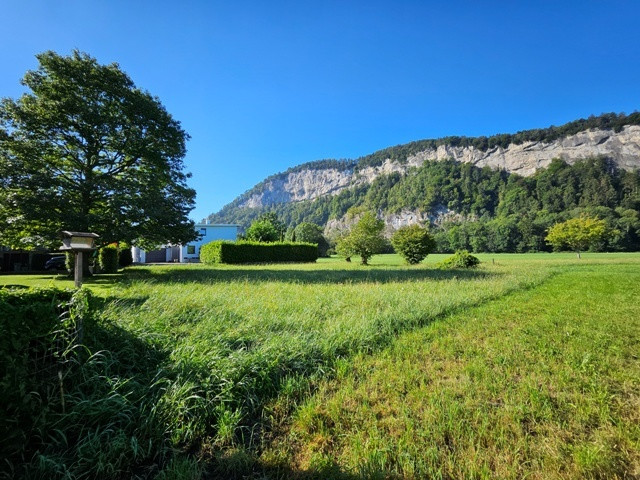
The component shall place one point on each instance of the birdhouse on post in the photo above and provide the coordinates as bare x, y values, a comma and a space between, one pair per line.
78, 242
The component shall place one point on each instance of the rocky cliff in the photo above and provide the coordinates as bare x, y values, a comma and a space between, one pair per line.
622, 147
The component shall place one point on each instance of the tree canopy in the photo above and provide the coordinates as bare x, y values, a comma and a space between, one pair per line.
267, 228
578, 234
413, 243
365, 238
86, 150
311, 233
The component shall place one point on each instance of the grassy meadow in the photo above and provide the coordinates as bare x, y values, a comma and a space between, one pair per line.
524, 367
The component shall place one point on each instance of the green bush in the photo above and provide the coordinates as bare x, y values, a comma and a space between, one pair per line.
262, 231
125, 258
308, 232
70, 261
89, 259
460, 259
108, 259
34, 340
222, 251
413, 243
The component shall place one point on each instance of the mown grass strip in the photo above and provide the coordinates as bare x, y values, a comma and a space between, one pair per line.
538, 384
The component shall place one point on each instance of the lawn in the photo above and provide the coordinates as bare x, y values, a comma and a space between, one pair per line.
230, 364
540, 384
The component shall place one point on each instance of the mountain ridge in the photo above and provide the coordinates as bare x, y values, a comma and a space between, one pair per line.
612, 136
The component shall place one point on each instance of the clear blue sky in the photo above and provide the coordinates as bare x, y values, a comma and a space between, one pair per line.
261, 86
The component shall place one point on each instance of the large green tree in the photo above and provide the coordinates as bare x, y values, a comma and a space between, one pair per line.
85, 149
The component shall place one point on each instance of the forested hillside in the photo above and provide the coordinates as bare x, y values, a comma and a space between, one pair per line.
481, 209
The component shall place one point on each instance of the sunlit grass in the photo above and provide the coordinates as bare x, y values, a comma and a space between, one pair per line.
222, 362
539, 384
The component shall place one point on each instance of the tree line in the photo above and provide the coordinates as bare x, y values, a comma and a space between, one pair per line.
482, 209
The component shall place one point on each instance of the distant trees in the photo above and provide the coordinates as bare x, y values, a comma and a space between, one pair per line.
413, 243
311, 233
487, 210
365, 238
578, 234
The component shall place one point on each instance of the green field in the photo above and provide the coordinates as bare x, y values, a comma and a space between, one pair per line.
524, 367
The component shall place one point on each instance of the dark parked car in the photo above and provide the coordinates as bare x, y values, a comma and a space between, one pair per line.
55, 263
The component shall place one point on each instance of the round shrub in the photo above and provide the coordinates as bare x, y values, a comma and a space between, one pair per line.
413, 243
262, 231
460, 259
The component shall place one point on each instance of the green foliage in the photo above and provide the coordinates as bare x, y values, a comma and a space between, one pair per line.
290, 235
88, 260
413, 243
35, 334
311, 233
222, 251
578, 234
462, 187
267, 228
125, 257
262, 231
108, 259
85, 149
70, 261
365, 238
460, 259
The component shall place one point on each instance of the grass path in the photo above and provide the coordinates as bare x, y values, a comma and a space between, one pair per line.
542, 383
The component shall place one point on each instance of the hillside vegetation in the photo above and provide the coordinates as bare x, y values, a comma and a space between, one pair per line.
503, 211
489, 210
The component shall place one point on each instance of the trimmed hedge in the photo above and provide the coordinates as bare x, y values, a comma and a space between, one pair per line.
222, 251
108, 259
125, 258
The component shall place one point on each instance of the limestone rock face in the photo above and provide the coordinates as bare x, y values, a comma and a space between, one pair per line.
302, 185
524, 159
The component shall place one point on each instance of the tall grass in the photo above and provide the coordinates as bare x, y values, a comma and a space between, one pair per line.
181, 361
538, 384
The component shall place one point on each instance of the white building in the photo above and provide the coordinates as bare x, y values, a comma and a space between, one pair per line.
191, 251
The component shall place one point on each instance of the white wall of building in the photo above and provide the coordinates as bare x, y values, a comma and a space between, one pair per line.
208, 233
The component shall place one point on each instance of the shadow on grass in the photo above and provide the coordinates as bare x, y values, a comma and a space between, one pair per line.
292, 275
240, 465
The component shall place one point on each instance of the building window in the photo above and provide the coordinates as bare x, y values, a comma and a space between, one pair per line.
191, 249
203, 231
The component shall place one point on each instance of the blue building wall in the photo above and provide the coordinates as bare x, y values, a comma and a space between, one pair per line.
209, 232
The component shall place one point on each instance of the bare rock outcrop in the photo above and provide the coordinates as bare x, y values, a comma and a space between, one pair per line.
524, 159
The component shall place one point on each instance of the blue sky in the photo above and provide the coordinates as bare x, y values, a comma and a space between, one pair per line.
262, 86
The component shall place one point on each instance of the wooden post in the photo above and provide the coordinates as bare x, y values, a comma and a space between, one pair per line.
78, 270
